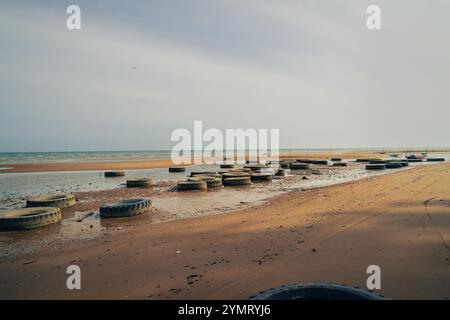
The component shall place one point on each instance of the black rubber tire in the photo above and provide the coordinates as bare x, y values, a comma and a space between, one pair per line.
316, 291
54, 200
255, 167
340, 164
404, 163
211, 182
414, 157
237, 181
203, 173
140, 183
114, 174
177, 169
435, 159
320, 162
299, 166
284, 165
336, 159
240, 170
226, 166
261, 177
305, 161
236, 174
125, 208
29, 218
191, 185
281, 173
375, 167
362, 160
377, 161
393, 165
414, 160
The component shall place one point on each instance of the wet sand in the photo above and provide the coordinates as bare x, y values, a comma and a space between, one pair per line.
399, 221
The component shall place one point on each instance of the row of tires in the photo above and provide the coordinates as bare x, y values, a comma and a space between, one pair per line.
302, 164
382, 161
392, 165
38, 212
380, 164
234, 177
49, 211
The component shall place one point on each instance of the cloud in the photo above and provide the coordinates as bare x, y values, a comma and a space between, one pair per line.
137, 71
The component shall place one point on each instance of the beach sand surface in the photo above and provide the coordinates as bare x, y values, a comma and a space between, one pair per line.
400, 222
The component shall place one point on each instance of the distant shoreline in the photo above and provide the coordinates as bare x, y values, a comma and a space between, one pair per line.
135, 164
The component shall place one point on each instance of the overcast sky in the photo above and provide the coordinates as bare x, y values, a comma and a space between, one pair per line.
137, 70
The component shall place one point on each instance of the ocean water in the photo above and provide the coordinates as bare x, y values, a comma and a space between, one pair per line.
87, 156
82, 156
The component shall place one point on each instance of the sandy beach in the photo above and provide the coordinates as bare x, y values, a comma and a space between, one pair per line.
399, 221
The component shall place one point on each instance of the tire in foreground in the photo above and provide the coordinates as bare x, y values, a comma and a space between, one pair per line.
29, 218
316, 291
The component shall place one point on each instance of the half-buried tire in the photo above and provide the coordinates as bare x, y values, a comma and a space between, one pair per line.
235, 174
202, 173
393, 165
227, 166
255, 167
299, 166
54, 200
177, 169
211, 182
191, 185
339, 164
237, 181
140, 183
28, 218
125, 208
261, 177
114, 174
375, 167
